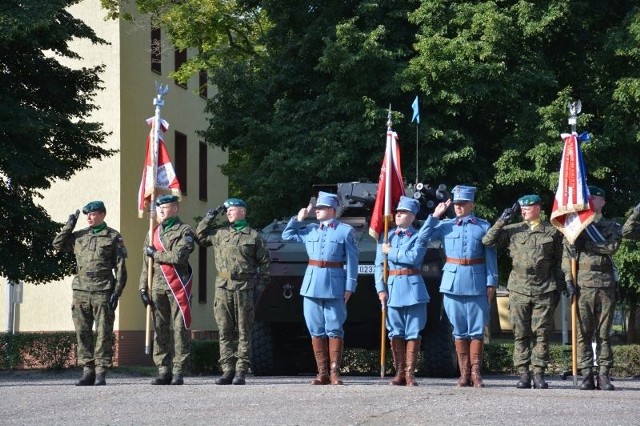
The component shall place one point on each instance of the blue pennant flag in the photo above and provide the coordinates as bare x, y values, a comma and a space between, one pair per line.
416, 111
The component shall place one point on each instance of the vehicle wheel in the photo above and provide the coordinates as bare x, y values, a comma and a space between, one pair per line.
438, 351
263, 360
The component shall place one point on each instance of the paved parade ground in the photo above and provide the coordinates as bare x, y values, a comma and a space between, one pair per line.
37, 398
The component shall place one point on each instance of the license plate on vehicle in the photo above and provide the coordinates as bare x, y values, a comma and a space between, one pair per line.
365, 269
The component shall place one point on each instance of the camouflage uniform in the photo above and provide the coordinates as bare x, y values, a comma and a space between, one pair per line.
170, 353
631, 228
596, 298
242, 264
533, 285
98, 255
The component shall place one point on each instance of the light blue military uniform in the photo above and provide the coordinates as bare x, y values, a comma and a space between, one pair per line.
470, 268
331, 246
407, 292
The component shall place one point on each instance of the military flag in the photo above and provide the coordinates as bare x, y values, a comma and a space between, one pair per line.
390, 186
572, 211
165, 176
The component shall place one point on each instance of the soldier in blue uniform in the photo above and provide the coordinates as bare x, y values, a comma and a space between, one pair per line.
406, 294
329, 281
469, 278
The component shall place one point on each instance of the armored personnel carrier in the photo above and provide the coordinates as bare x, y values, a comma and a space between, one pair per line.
281, 343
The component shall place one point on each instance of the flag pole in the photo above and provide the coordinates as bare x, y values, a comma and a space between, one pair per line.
574, 110
385, 265
158, 102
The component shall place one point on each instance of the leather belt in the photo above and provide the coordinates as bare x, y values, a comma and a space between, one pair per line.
325, 264
404, 272
235, 276
98, 274
465, 262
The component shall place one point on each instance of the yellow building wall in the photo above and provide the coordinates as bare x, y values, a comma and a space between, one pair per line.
125, 103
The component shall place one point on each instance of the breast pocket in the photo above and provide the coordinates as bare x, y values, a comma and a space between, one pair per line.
312, 244
336, 247
247, 249
452, 243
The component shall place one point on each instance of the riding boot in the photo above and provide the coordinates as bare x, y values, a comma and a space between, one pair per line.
462, 350
335, 356
587, 382
397, 347
321, 352
413, 347
475, 350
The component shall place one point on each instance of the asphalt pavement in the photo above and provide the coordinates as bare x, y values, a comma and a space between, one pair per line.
50, 398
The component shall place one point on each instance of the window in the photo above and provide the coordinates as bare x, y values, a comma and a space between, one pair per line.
202, 159
203, 78
202, 275
181, 160
180, 57
156, 50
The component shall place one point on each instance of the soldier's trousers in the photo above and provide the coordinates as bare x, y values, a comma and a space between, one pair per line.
596, 308
234, 313
87, 308
532, 321
170, 350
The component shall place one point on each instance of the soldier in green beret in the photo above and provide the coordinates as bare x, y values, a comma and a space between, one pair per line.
535, 248
242, 264
597, 277
171, 244
101, 276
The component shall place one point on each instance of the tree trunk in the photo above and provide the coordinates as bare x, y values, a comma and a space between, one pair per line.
633, 326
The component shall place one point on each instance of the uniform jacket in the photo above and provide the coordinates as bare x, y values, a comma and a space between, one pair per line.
100, 258
242, 258
333, 243
405, 253
631, 228
536, 255
595, 265
462, 239
179, 242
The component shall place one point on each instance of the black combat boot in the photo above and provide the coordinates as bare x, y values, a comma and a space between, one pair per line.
177, 379
539, 382
587, 383
88, 378
525, 380
226, 378
101, 379
603, 382
239, 378
162, 379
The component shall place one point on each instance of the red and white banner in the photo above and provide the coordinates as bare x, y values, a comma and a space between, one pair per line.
165, 176
572, 211
390, 186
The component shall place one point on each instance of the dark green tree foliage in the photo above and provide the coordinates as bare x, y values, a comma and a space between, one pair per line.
313, 109
45, 136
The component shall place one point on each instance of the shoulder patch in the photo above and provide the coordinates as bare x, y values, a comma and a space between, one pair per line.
188, 238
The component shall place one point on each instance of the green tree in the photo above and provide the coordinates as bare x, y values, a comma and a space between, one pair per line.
44, 129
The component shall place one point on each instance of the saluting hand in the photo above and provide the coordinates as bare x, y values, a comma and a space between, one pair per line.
441, 209
304, 212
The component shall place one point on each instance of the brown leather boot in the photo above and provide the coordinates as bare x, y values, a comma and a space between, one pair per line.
462, 350
475, 351
321, 352
397, 347
413, 347
335, 356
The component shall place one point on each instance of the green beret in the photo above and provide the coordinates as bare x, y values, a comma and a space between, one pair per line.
235, 202
94, 206
529, 200
594, 190
165, 199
